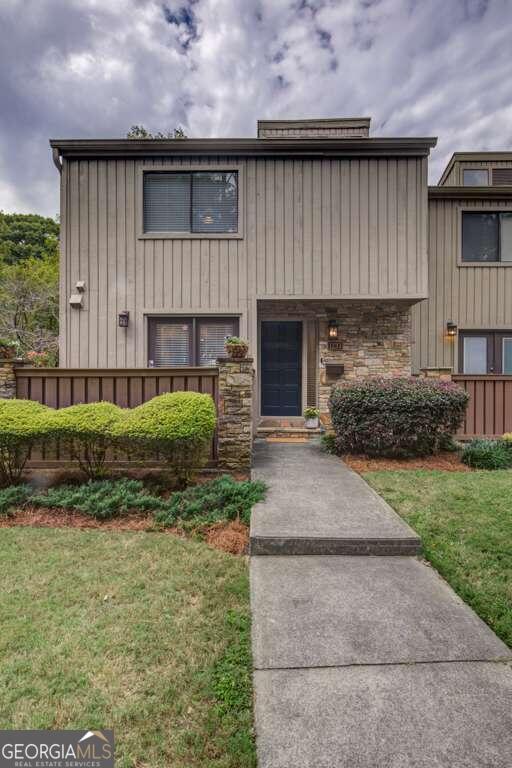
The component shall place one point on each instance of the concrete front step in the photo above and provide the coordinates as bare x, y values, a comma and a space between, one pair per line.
288, 433
315, 505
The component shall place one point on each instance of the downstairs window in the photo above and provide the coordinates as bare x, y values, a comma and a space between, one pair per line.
188, 341
484, 352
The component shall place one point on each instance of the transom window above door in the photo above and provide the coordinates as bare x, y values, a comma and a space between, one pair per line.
190, 202
487, 236
188, 341
485, 352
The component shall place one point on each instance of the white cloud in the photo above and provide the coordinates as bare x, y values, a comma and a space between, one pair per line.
71, 68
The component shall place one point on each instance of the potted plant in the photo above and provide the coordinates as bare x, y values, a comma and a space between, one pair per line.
8, 349
236, 348
311, 417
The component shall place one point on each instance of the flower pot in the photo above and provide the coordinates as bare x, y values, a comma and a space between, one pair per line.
311, 423
236, 351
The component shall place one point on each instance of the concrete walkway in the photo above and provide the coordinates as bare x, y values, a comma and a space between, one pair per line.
364, 661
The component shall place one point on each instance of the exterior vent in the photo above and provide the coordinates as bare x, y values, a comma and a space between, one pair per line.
502, 177
335, 128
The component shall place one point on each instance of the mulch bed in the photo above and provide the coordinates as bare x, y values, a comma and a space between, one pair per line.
231, 537
447, 461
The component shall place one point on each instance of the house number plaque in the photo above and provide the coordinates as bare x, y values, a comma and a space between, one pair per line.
335, 346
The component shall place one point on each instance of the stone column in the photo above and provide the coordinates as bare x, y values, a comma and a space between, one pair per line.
7, 380
234, 426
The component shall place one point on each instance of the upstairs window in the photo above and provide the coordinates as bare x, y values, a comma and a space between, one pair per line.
487, 236
475, 177
483, 352
502, 177
189, 341
190, 201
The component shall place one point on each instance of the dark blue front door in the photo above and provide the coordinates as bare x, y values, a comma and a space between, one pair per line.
281, 357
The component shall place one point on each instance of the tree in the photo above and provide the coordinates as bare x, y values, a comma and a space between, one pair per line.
27, 235
29, 279
139, 132
29, 303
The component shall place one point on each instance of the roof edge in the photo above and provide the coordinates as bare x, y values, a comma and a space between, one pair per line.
469, 193
270, 146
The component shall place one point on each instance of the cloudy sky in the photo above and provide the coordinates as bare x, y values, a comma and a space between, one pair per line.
92, 68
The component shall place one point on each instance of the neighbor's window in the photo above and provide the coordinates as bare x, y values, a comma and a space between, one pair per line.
475, 177
483, 352
487, 236
188, 340
191, 201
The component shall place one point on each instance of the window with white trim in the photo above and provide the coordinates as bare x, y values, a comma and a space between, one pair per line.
190, 202
484, 352
188, 341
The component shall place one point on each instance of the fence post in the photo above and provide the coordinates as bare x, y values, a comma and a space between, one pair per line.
7, 380
235, 414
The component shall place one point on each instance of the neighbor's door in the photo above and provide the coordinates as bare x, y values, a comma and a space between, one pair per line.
281, 368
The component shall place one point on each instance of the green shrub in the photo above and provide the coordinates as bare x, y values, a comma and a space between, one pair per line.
23, 424
328, 443
87, 432
178, 426
220, 499
395, 417
101, 499
487, 454
14, 496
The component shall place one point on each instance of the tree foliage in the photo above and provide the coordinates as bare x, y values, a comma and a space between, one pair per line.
29, 277
139, 132
27, 235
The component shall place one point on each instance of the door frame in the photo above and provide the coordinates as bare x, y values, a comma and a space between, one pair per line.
277, 318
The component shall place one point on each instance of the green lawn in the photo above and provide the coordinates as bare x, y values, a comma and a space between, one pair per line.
142, 632
465, 523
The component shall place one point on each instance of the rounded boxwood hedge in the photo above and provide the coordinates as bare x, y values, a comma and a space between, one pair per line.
87, 431
178, 426
395, 417
23, 423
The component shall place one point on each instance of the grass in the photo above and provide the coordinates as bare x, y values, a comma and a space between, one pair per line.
144, 633
465, 523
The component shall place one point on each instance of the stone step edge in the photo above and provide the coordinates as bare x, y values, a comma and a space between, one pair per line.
288, 545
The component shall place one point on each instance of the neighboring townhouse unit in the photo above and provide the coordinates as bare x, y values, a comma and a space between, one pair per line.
324, 246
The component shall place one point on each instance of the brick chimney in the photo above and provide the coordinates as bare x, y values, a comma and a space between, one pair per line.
330, 128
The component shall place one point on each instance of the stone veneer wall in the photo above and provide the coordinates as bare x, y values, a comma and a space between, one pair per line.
375, 337
7, 380
234, 426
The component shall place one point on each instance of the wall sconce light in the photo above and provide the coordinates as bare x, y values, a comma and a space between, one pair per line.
123, 318
333, 329
451, 328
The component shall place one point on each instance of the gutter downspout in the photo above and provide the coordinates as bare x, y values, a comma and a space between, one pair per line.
57, 159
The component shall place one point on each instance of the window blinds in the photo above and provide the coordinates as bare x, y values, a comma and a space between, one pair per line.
172, 344
167, 198
188, 341
212, 336
204, 201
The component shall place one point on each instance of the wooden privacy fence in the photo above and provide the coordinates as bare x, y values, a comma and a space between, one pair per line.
489, 413
60, 387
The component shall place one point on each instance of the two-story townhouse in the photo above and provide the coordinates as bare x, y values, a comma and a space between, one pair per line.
465, 325
310, 240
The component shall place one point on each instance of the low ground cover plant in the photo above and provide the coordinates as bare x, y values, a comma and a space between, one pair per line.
488, 454
23, 424
217, 500
222, 498
395, 417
